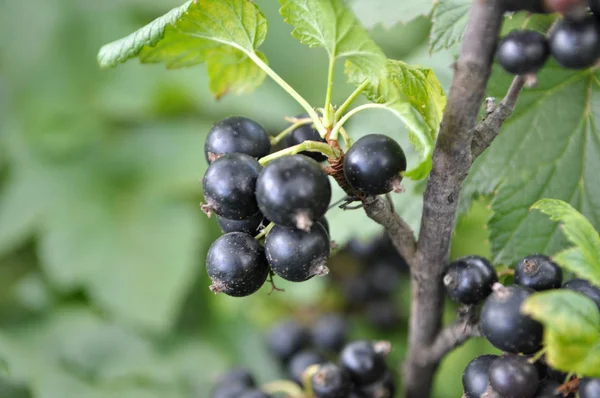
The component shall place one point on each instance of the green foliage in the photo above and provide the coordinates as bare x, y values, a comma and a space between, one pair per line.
572, 330
390, 12
449, 21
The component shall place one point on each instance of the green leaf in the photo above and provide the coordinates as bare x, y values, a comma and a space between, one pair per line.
414, 94
449, 21
549, 148
390, 12
571, 330
224, 34
584, 258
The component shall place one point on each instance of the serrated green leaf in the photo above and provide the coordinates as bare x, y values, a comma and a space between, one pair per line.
549, 148
584, 258
224, 34
389, 13
119, 51
571, 330
449, 21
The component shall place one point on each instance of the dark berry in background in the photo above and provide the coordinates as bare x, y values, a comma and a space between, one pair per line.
475, 377
330, 333
469, 280
286, 339
331, 381
363, 362
236, 265
503, 324
240, 376
538, 272
228, 391
293, 191
254, 394
576, 44
523, 52
548, 389
237, 134
301, 361
584, 287
384, 388
306, 132
373, 164
512, 376
589, 388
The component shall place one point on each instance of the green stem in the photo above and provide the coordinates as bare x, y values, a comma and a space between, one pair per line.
290, 389
299, 122
310, 146
537, 355
327, 119
265, 231
344, 119
350, 99
346, 137
313, 114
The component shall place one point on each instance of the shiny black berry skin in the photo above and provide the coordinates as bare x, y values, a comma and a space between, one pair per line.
512, 376
469, 280
306, 132
589, 388
296, 255
250, 226
286, 339
373, 164
299, 362
236, 265
330, 333
384, 388
293, 191
237, 134
586, 288
362, 362
240, 376
522, 52
254, 393
475, 377
538, 272
576, 44
229, 185
548, 389
503, 324
331, 381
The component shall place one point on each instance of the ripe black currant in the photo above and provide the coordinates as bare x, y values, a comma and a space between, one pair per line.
548, 389
330, 333
576, 44
306, 132
522, 52
249, 226
237, 134
384, 277
236, 265
237, 376
584, 287
538, 272
589, 388
383, 388
286, 339
469, 280
383, 314
323, 221
536, 6
254, 393
512, 376
475, 377
297, 255
373, 164
331, 381
503, 324
229, 185
301, 361
293, 191
364, 361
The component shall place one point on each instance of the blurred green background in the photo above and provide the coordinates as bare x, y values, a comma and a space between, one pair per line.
103, 291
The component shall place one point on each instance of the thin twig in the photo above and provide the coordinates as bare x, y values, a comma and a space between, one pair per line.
454, 335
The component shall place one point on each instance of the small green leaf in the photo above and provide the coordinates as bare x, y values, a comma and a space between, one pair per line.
224, 34
572, 330
449, 21
389, 13
584, 258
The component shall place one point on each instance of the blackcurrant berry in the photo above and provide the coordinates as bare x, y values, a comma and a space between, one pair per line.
383, 314
229, 185
469, 280
589, 388
286, 339
522, 52
228, 391
538, 272
475, 377
512, 376
301, 361
548, 389
236, 265
384, 277
323, 221
584, 287
374, 163
595, 7
576, 44
330, 333
306, 132
363, 361
505, 326
536, 6
384, 388
254, 394
237, 134
237, 376
357, 290
331, 381
249, 226
293, 191
297, 255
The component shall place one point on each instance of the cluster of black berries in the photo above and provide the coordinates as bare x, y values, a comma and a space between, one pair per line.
472, 280
368, 276
574, 43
